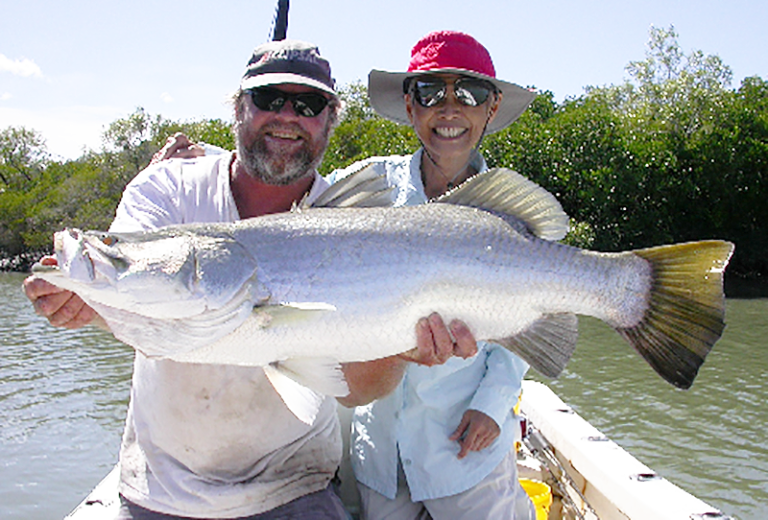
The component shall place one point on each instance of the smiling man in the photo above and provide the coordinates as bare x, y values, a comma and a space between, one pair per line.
216, 441
283, 151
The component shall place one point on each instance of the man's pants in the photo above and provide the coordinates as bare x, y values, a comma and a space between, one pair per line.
322, 505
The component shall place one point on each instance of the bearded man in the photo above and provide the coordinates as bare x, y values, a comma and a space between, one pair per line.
216, 441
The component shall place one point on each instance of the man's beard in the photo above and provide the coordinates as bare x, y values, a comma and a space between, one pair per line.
280, 169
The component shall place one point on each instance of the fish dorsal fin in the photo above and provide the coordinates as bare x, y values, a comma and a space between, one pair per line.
506, 192
365, 188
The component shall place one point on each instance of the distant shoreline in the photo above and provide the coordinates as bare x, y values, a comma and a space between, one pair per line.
20, 263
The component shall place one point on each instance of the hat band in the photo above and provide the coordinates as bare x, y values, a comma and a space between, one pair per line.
300, 68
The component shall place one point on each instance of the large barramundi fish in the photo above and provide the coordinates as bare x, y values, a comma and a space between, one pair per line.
291, 291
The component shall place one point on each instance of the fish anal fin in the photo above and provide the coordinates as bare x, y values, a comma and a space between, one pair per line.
548, 344
302, 384
686, 308
506, 193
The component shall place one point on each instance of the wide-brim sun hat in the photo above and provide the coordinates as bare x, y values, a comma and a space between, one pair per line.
449, 52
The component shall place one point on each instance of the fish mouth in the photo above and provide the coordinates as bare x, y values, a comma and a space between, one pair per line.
72, 255
39, 268
449, 132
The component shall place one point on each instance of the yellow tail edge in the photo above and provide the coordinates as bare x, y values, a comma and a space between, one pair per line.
686, 310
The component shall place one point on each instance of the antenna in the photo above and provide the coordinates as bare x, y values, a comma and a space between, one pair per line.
281, 21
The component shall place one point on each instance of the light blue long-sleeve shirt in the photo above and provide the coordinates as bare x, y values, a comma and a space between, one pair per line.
415, 421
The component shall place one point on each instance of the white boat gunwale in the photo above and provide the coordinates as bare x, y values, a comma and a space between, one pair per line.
614, 484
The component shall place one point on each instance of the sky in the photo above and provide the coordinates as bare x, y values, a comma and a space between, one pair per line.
70, 68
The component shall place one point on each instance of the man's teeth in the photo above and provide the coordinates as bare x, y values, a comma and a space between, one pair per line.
449, 132
284, 135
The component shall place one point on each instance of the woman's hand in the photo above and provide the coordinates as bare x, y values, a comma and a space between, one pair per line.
475, 432
178, 146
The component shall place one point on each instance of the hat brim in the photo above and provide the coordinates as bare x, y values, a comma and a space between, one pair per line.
385, 90
272, 79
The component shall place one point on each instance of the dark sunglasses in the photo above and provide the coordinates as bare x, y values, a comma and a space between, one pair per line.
307, 104
470, 92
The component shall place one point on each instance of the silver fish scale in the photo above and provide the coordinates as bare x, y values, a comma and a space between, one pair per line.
382, 274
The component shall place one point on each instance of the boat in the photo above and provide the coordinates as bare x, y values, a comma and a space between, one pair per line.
590, 476
571, 470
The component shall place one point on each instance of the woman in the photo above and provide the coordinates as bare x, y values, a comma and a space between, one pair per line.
442, 445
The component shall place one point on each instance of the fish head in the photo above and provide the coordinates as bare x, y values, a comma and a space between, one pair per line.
167, 273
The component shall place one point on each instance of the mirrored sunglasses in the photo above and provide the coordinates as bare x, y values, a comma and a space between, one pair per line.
470, 92
307, 104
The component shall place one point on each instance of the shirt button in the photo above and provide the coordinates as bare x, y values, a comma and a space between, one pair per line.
407, 462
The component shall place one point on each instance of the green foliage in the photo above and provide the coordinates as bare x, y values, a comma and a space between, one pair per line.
132, 136
22, 155
138, 136
361, 133
12, 213
212, 131
672, 155
39, 196
580, 235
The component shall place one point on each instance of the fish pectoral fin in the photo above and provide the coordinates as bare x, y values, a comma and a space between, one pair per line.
303, 383
548, 344
291, 313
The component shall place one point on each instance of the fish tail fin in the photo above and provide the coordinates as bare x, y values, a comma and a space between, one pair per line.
686, 311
